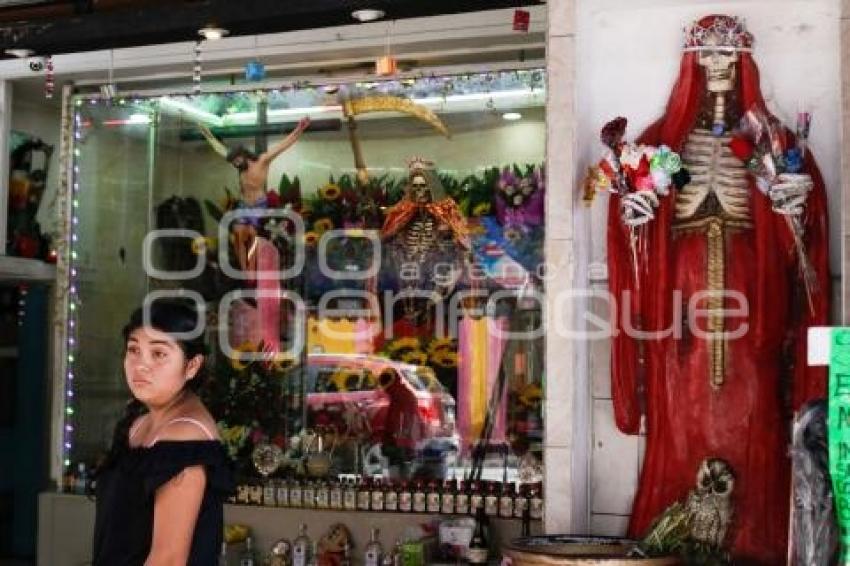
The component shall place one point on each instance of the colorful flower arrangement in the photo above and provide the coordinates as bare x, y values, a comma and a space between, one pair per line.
627, 167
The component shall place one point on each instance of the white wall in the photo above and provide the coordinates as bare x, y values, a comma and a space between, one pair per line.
627, 60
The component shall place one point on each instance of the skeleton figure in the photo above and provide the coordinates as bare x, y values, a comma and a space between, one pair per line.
709, 506
425, 234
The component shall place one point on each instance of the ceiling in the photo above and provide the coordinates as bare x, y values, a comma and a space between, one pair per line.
68, 26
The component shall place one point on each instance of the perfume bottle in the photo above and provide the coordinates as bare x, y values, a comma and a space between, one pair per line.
374, 552
301, 547
520, 502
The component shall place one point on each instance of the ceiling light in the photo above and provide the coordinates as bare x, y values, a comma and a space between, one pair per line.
511, 116
139, 119
212, 32
367, 15
20, 53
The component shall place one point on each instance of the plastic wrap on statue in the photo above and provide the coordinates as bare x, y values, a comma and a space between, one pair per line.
261, 323
713, 392
481, 343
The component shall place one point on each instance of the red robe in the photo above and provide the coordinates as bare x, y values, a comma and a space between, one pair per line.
746, 420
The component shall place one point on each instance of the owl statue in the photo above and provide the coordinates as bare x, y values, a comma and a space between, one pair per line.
709, 506
698, 526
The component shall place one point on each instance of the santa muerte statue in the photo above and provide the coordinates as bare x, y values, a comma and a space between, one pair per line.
745, 242
427, 242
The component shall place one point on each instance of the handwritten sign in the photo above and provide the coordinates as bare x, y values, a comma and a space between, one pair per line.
839, 433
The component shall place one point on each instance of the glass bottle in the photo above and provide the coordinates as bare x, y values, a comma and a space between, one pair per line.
420, 502
377, 495
82, 479
314, 554
397, 553
374, 552
520, 501
491, 500
447, 501
364, 494
308, 495
432, 497
336, 494
390, 497
222, 557
282, 493
535, 501
247, 558
346, 555
349, 498
405, 498
476, 497
506, 500
479, 546
301, 547
323, 495
269, 492
295, 493
462, 499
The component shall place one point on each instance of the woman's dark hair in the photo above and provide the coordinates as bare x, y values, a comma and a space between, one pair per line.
172, 316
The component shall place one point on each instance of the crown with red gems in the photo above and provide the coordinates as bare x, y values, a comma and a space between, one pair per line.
718, 32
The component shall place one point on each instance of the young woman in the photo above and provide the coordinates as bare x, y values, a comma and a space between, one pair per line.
161, 489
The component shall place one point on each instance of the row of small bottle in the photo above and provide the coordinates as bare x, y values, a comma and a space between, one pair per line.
499, 499
305, 552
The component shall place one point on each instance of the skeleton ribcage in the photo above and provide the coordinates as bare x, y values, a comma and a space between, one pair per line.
718, 184
420, 239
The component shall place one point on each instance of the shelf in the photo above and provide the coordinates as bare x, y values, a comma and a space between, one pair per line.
18, 269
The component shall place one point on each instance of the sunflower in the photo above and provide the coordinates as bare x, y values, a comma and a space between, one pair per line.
481, 209
310, 238
415, 357
345, 379
237, 362
282, 362
409, 342
440, 344
444, 358
322, 225
331, 191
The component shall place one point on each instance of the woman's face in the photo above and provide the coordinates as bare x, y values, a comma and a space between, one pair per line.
156, 367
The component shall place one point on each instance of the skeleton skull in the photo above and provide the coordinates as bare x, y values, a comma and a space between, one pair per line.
719, 69
420, 192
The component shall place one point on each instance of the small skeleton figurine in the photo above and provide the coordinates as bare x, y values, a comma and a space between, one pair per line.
253, 185
425, 232
709, 506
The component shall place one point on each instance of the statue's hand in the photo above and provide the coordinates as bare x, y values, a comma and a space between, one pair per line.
789, 192
636, 208
303, 123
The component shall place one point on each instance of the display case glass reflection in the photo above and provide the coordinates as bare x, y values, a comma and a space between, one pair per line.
373, 275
